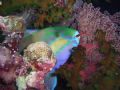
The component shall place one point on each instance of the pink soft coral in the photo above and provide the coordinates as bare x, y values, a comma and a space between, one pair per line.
88, 71
90, 19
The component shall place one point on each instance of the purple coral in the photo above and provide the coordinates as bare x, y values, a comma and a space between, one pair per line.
10, 63
10, 59
90, 19
5, 56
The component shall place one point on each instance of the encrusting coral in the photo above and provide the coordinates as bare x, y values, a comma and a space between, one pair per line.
41, 59
31, 68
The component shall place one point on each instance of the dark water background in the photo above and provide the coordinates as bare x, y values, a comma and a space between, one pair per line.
111, 6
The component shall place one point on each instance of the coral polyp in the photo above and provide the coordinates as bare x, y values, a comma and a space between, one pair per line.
40, 51
41, 59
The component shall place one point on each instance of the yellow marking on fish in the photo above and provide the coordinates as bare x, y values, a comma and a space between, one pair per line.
58, 44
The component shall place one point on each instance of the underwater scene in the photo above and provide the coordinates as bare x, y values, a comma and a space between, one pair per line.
59, 45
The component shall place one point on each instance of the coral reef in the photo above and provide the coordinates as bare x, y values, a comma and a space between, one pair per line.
27, 71
82, 74
94, 64
10, 60
41, 59
90, 19
46, 11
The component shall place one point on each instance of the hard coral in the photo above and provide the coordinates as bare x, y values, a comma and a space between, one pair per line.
10, 59
41, 59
